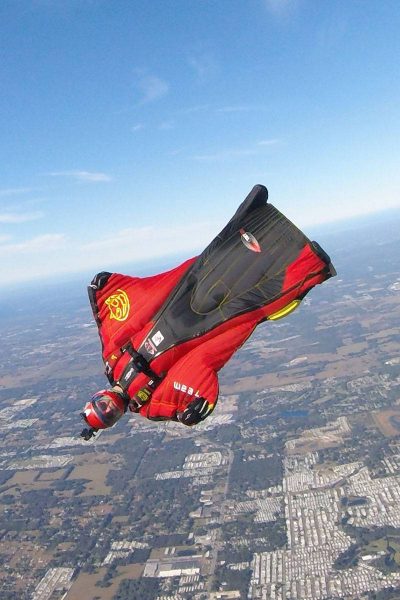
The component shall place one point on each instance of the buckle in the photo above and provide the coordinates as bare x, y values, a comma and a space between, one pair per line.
139, 363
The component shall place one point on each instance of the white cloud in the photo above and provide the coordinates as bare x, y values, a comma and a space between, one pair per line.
239, 108
137, 127
194, 109
167, 125
23, 217
53, 254
113, 241
150, 87
232, 153
4, 238
41, 243
87, 176
225, 155
176, 152
270, 142
15, 191
204, 65
281, 8
142, 243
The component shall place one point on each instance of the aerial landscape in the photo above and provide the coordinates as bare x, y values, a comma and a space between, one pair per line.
166, 168
290, 490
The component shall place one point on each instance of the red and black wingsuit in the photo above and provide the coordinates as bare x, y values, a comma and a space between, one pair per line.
185, 324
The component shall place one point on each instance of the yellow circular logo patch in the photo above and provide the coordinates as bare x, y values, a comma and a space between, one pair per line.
118, 305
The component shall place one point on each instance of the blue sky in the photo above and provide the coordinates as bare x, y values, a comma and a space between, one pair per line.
132, 130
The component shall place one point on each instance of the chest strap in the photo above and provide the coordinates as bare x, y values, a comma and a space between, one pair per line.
137, 364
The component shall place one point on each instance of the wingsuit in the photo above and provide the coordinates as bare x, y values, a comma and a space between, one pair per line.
164, 338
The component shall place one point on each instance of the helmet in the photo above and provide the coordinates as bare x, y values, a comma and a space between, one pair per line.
104, 409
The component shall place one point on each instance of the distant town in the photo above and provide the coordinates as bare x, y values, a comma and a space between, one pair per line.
290, 491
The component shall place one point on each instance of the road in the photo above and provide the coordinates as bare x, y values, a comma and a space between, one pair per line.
217, 543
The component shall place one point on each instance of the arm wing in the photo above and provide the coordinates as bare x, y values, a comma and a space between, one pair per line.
123, 305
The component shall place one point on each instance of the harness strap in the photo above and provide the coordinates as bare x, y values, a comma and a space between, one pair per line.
137, 364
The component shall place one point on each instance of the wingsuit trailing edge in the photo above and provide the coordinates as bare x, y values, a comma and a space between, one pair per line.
164, 338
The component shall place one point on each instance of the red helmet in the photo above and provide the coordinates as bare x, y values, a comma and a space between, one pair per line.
104, 409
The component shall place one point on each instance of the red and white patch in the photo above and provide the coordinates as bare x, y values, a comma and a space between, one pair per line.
157, 338
150, 347
250, 241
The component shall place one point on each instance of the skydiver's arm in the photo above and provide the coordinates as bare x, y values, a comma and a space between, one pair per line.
122, 305
185, 384
193, 379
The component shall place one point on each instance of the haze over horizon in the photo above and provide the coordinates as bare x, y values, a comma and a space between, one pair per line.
133, 132
382, 225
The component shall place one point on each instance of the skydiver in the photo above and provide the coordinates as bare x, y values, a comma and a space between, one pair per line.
164, 338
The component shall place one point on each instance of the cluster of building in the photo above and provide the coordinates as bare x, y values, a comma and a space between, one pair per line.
203, 460
312, 501
378, 381
196, 465
265, 509
257, 433
188, 586
392, 463
314, 505
9, 413
44, 461
353, 584
383, 500
294, 387
187, 568
55, 580
122, 549
67, 441
330, 434
307, 479
170, 597
19, 424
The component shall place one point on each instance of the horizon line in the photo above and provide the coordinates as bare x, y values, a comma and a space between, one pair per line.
67, 275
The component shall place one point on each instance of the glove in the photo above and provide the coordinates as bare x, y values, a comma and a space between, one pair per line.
195, 412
